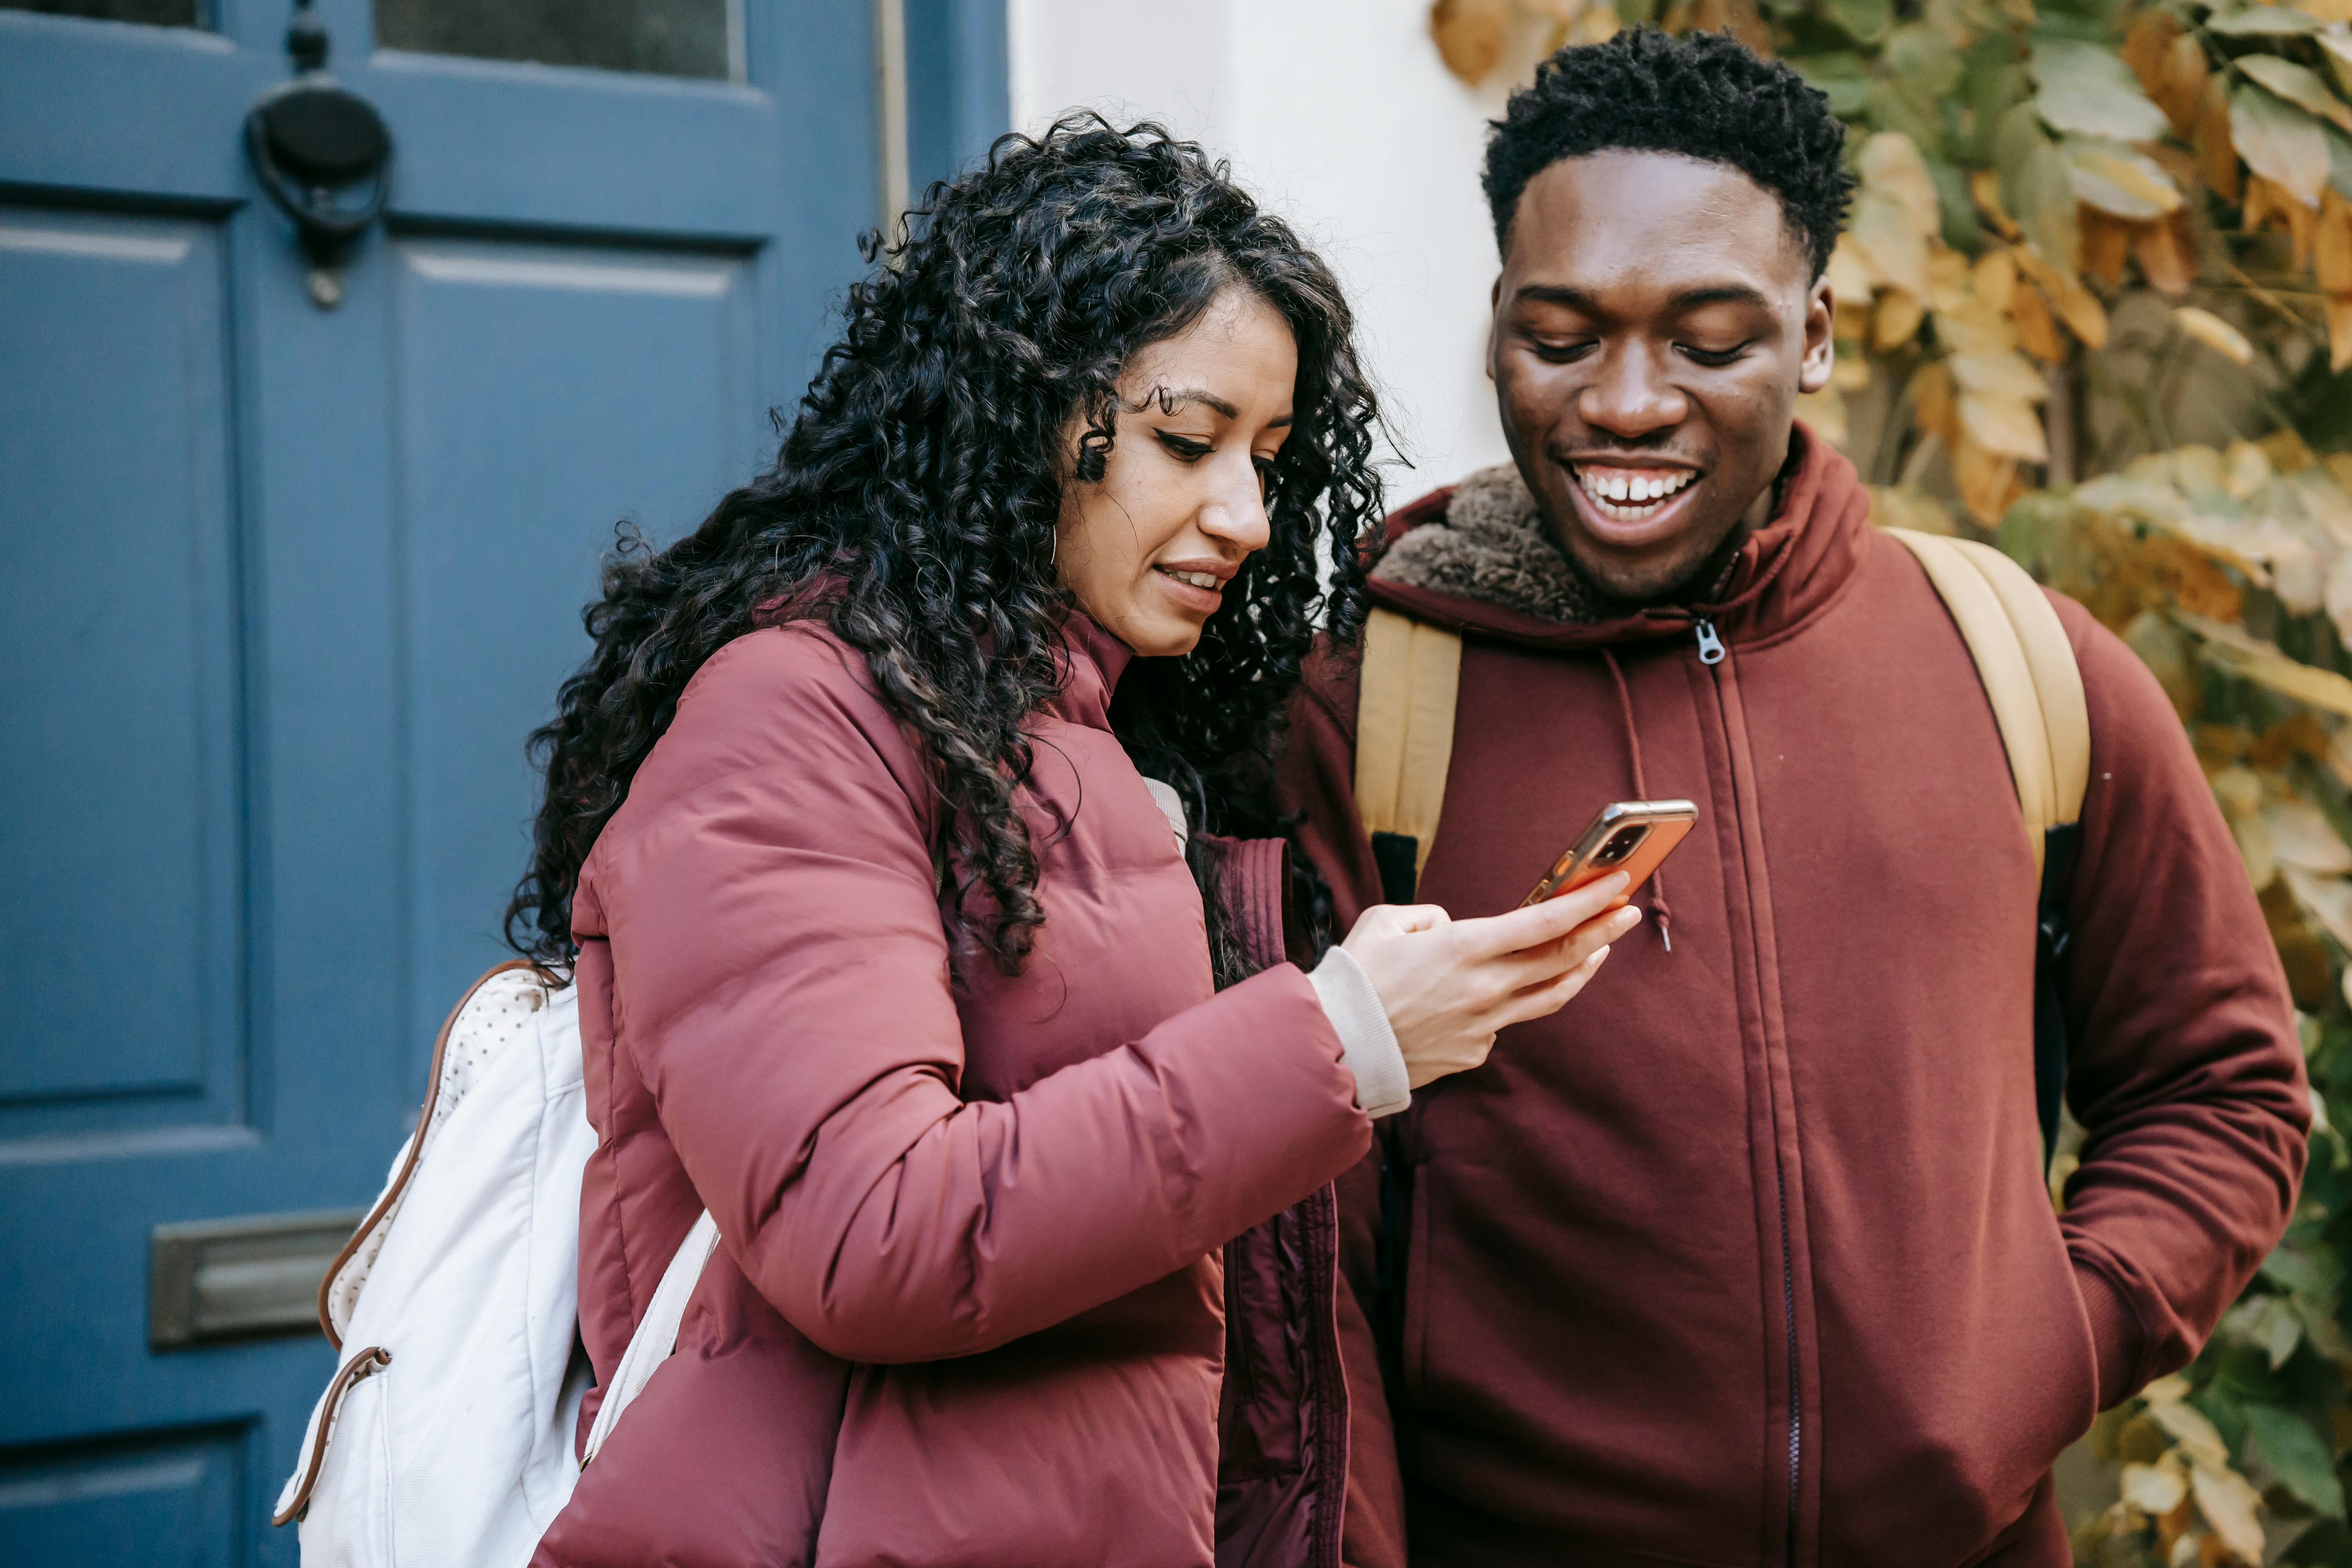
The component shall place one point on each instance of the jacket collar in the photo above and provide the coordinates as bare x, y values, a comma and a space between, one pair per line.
1780, 574
1092, 661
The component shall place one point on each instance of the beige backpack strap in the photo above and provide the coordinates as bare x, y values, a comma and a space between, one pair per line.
1404, 738
2027, 669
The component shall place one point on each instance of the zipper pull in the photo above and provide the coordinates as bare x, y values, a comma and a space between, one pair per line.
1710, 647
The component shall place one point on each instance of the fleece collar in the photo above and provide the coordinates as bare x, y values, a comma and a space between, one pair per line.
1478, 557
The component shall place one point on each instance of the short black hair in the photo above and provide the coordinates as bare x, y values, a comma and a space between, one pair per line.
1703, 95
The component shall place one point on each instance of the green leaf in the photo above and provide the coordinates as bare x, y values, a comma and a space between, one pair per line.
2118, 179
2280, 142
2088, 89
2262, 22
2298, 1456
1921, 57
2037, 188
2302, 1272
2299, 87
2339, 161
1865, 19
1838, 76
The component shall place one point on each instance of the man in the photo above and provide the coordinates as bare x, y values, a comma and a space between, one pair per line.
1744, 1256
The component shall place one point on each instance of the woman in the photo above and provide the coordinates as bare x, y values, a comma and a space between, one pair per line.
888, 952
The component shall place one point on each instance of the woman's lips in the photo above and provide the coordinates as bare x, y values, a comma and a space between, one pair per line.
1643, 517
1191, 596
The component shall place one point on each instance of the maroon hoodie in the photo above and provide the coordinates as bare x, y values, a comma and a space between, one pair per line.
1745, 1255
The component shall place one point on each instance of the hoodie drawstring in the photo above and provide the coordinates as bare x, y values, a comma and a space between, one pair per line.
1658, 910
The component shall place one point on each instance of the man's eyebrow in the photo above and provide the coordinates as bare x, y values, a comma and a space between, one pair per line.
1688, 300
1172, 398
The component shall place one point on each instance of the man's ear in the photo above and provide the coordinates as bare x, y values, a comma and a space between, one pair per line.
1821, 351
1494, 304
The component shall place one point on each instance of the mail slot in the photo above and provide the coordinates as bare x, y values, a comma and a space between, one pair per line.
215, 1280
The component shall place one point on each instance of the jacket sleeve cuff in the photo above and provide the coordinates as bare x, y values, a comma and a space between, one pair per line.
1369, 1046
2115, 1334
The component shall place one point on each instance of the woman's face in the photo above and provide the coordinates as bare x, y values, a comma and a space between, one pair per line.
1149, 550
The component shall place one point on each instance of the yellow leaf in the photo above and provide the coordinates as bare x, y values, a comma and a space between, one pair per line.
2107, 245
2217, 158
2331, 263
1823, 413
2186, 1426
2303, 838
1932, 403
2003, 425
1894, 505
1994, 276
1948, 278
1984, 189
1470, 36
1988, 483
2005, 371
1889, 237
1897, 319
2185, 72
2167, 253
2298, 85
2116, 179
2339, 333
1891, 163
2245, 469
2146, 46
2037, 330
2215, 333
2241, 653
1850, 277
2232, 1506
2338, 55
2280, 141
2153, 1491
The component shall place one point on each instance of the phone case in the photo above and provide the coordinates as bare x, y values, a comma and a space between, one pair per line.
1603, 846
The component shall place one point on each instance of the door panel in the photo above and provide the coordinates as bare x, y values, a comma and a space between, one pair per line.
544, 394
289, 585
121, 591
172, 1500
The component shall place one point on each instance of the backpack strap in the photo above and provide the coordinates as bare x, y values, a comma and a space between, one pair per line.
2030, 676
1410, 677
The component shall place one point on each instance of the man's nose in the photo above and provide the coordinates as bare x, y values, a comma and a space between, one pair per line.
1631, 396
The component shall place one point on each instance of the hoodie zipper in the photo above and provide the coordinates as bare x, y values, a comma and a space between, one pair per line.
1711, 653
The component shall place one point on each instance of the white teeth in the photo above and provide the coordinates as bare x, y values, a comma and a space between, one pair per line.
1197, 579
1630, 499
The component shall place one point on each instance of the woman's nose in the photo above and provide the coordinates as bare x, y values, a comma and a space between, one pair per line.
1235, 512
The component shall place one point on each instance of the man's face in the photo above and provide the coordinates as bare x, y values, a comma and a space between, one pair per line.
1655, 321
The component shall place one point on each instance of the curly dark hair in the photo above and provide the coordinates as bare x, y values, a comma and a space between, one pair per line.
913, 507
1703, 95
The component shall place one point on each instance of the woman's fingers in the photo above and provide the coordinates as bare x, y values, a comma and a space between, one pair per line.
1495, 935
1541, 1000
1536, 966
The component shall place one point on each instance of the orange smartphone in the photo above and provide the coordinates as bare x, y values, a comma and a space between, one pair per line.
1631, 835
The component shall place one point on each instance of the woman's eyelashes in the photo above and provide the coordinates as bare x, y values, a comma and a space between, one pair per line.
1185, 446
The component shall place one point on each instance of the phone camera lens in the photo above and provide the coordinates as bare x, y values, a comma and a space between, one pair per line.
1621, 843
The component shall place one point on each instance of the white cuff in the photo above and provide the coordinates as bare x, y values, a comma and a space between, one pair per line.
1369, 1046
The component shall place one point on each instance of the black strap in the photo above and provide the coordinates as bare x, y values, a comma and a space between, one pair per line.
1394, 854
2059, 845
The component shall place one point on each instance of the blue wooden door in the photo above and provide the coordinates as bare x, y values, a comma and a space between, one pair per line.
282, 588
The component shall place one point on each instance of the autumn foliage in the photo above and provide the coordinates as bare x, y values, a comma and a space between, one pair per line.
2095, 303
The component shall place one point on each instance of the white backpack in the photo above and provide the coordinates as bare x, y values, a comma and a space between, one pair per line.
446, 1438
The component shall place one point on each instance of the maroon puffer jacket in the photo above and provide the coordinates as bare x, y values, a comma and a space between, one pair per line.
969, 1307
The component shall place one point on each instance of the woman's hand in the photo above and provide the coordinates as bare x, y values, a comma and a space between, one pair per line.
1448, 986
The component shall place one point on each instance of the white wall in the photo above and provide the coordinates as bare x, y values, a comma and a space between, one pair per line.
1339, 115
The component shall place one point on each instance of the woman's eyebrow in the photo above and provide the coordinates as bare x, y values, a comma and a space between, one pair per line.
1172, 398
